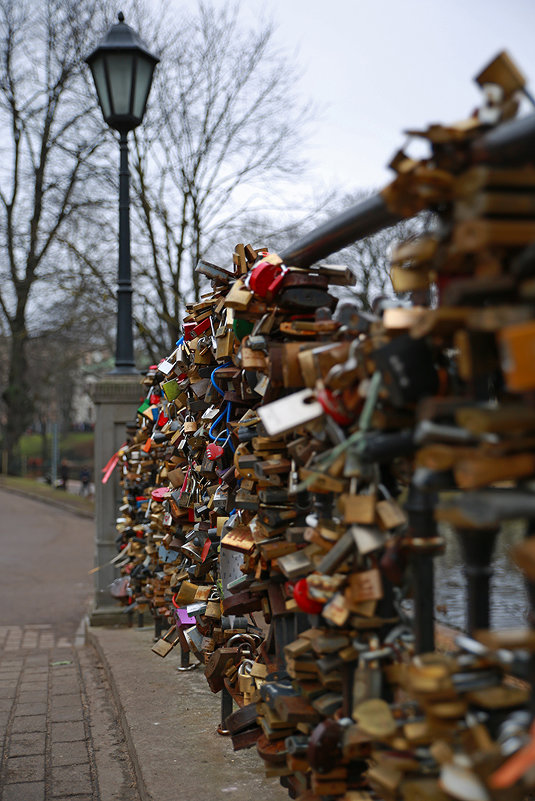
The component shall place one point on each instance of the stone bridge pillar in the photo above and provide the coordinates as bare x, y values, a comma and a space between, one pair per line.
116, 398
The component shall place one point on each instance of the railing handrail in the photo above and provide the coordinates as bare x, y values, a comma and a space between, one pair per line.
512, 142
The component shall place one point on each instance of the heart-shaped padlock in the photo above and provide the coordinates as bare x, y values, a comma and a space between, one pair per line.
214, 451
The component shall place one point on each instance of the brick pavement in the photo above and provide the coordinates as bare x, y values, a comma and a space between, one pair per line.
59, 729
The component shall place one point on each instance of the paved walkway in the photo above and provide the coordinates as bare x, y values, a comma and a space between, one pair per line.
59, 727
62, 739
170, 719
39, 636
113, 722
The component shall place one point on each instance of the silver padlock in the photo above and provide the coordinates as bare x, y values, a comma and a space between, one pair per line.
288, 413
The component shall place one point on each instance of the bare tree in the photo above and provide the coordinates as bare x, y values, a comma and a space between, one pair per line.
224, 124
48, 166
222, 117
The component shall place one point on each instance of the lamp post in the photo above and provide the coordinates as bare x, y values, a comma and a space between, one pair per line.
122, 69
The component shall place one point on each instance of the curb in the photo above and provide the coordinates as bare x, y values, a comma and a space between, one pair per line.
93, 641
50, 501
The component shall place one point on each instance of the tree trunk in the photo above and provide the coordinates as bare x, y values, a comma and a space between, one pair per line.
65, 396
17, 395
174, 333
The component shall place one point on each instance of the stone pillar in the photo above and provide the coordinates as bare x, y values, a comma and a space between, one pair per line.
116, 398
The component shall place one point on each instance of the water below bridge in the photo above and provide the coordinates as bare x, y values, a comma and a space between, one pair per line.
508, 598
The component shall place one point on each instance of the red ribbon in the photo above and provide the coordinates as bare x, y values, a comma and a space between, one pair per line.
111, 465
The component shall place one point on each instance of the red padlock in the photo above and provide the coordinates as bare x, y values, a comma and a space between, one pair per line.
303, 600
159, 493
276, 285
214, 451
334, 407
263, 275
201, 327
205, 549
188, 331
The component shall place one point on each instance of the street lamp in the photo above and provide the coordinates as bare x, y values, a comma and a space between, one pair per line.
122, 68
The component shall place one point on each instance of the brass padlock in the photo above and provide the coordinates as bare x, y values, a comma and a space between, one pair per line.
213, 606
163, 646
190, 424
184, 500
365, 585
389, 513
246, 682
359, 507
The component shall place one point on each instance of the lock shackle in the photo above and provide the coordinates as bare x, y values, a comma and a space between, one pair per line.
355, 351
245, 667
221, 435
246, 639
385, 492
212, 380
402, 632
256, 637
236, 637
186, 479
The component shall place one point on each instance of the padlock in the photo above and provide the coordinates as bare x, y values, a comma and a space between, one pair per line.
164, 645
408, 369
186, 494
291, 412
263, 276
389, 513
190, 424
213, 606
333, 406
359, 507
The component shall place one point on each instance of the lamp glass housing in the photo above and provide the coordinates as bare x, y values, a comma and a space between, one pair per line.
122, 69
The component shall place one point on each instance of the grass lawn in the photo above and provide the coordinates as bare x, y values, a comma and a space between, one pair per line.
37, 489
75, 446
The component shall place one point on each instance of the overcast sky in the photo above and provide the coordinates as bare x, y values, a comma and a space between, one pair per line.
376, 67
